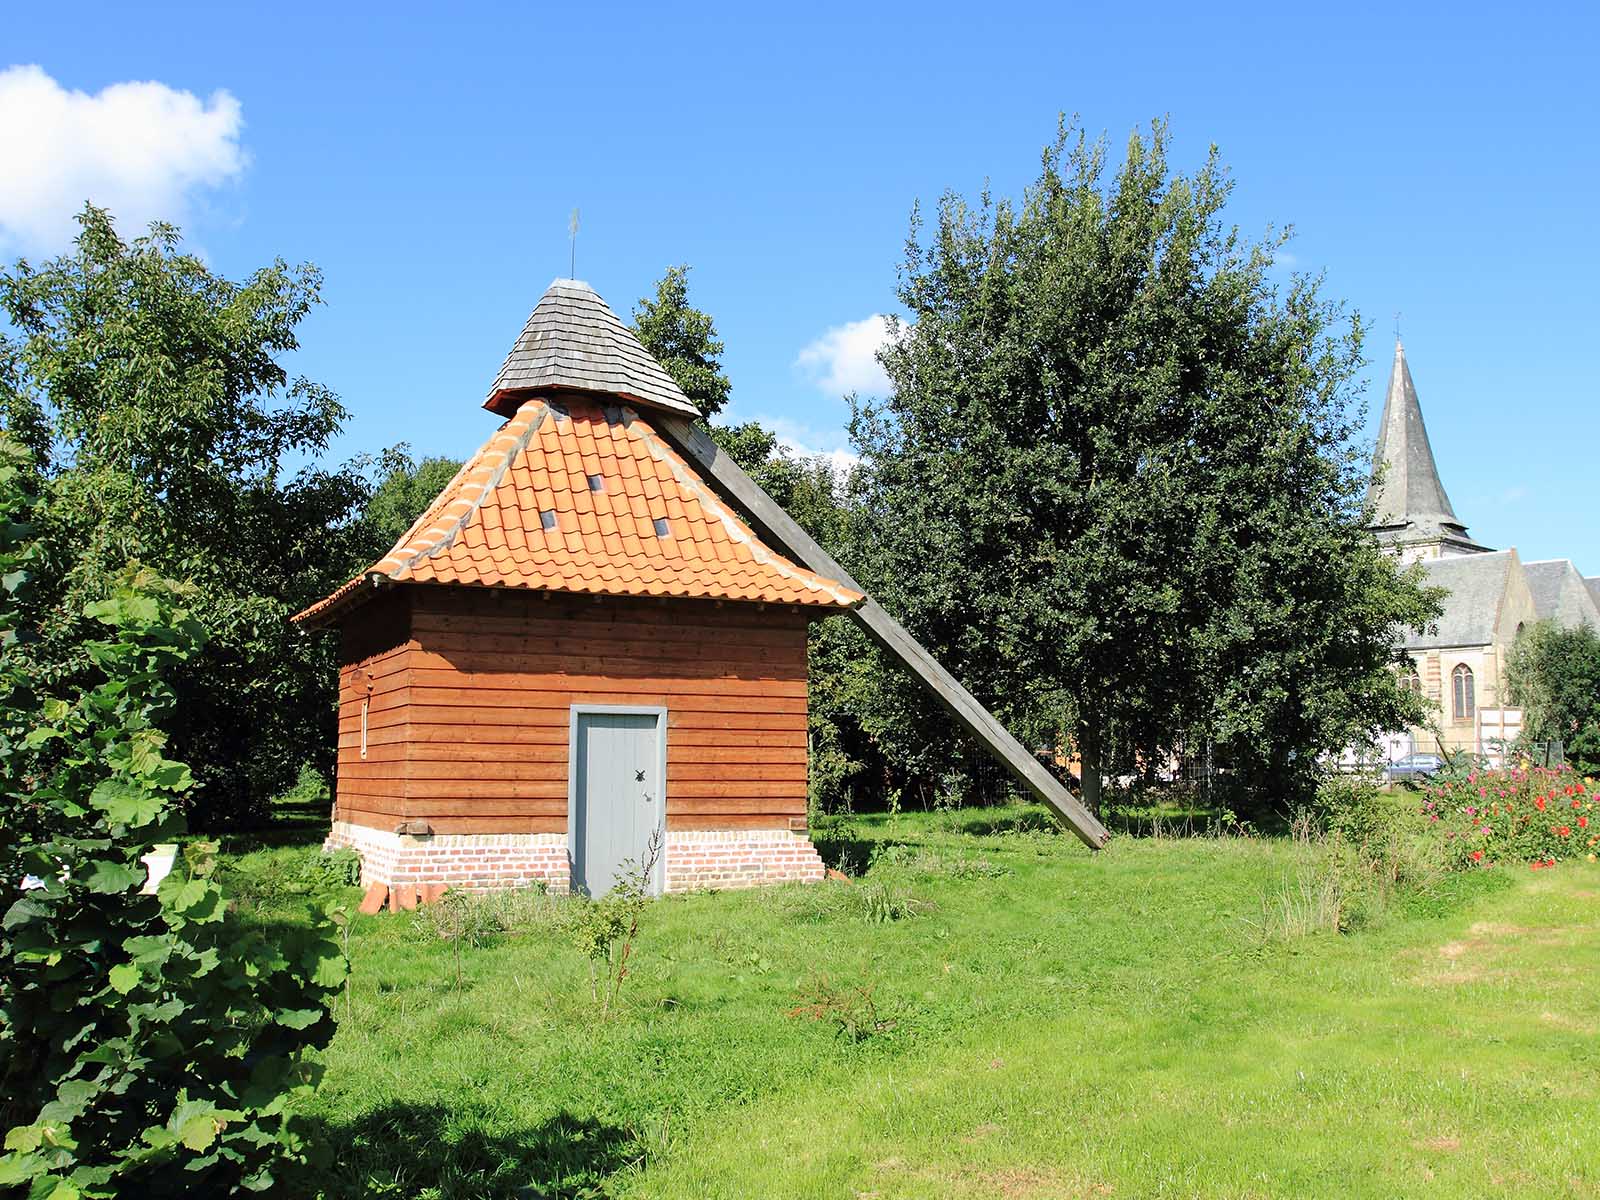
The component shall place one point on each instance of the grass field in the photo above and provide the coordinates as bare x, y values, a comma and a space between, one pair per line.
990, 1011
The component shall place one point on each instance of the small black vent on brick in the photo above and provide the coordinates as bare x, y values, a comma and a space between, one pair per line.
662, 528
547, 518
597, 483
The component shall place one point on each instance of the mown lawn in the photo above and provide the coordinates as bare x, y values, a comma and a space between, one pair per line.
1043, 1024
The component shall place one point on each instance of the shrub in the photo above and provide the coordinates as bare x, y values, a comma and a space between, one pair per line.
1536, 815
604, 929
850, 1008
149, 1043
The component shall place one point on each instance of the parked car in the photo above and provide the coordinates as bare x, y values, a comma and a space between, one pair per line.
1413, 767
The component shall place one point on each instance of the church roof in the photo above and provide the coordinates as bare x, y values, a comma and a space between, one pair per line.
573, 496
1593, 583
1561, 594
1476, 585
1406, 495
574, 340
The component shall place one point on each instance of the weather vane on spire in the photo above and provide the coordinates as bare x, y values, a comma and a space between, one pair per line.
1396, 311
572, 234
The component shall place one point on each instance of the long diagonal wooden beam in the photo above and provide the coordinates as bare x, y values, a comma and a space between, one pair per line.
781, 529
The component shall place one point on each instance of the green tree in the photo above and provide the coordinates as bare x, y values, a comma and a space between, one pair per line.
684, 341
1117, 489
1554, 674
405, 491
163, 424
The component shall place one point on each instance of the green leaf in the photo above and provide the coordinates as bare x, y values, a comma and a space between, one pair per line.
172, 776
19, 1168
181, 894
25, 1138
124, 977
329, 969
23, 911
199, 1131
126, 803
299, 1018
106, 876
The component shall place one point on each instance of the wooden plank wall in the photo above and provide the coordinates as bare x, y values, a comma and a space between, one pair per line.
375, 654
468, 726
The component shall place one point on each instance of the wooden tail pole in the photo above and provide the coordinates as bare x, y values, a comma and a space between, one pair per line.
781, 529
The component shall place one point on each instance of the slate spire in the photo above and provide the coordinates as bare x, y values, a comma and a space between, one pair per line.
573, 340
1408, 498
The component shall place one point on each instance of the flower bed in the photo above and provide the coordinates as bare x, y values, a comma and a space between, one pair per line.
1533, 815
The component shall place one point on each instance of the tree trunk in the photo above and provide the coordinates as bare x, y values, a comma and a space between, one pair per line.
1089, 763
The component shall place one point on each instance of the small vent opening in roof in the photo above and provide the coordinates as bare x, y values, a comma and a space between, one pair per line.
662, 528
547, 518
597, 483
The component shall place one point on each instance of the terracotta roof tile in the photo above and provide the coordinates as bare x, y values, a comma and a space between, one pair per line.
485, 528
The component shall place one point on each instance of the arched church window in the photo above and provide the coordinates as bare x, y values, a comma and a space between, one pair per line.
1411, 682
1461, 682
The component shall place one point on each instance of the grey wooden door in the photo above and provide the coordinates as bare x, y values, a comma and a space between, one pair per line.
618, 795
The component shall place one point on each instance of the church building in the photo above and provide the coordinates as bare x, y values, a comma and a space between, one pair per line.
1459, 663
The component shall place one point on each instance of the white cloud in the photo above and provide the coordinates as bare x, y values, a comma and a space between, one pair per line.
814, 443
140, 150
844, 358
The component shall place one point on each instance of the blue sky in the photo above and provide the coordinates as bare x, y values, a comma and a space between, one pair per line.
1436, 160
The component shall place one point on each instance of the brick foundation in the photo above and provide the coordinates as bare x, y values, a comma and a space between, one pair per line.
484, 862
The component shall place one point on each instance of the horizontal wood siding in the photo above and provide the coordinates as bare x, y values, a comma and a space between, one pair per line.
468, 730
375, 655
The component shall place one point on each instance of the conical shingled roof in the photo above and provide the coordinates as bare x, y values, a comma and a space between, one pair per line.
1409, 499
573, 340
570, 496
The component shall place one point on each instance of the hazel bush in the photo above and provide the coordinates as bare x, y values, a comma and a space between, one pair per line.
150, 1043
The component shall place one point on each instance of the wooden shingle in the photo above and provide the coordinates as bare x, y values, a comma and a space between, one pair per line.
574, 340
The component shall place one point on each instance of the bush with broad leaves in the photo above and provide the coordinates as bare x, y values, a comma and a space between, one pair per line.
150, 1044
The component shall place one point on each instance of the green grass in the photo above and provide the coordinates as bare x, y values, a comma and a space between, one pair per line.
1015, 1018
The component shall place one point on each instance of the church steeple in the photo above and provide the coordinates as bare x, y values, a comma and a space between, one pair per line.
1410, 508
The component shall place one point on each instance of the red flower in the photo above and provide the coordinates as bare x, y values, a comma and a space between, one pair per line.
1477, 856
1564, 830
1583, 822
1538, 802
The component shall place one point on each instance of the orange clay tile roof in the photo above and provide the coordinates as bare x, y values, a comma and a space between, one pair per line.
524, 513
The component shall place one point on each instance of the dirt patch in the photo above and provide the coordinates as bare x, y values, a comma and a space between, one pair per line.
1440, 1142
1007, 1183
1561, 1021
1497, 929
1462, 964
979, 1132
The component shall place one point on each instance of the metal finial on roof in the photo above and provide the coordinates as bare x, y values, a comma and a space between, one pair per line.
572, 234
